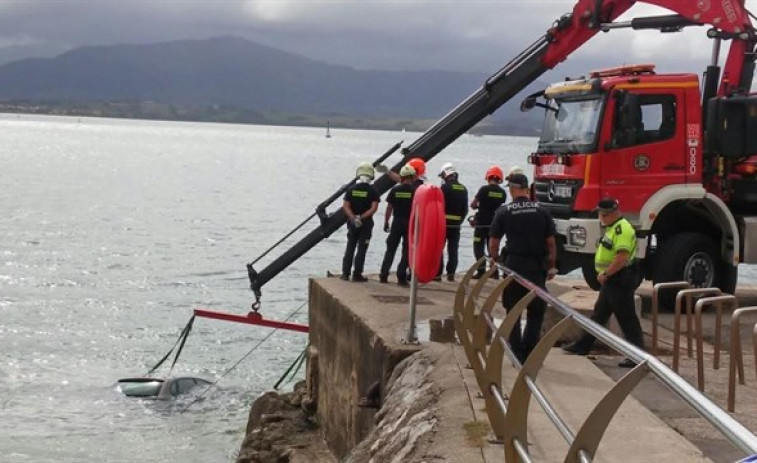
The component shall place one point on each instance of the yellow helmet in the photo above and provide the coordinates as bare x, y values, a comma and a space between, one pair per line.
407, 171
365, 170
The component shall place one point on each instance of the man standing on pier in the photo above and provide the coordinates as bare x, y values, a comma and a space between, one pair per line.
530, 233
614, 261
360, 203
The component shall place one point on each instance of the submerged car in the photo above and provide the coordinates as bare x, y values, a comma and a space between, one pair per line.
159, 388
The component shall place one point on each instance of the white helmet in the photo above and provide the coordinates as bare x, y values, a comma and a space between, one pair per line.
515, 170
447, 170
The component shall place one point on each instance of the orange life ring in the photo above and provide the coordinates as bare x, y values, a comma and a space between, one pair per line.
425, 255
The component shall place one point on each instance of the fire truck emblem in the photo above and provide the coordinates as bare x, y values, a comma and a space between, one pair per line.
641, 162
703, 5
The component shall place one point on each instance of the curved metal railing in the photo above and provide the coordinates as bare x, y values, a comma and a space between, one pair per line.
475, 326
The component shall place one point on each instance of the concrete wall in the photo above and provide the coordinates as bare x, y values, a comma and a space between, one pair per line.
346, 357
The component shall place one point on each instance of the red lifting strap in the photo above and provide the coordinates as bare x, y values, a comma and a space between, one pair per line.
252, 318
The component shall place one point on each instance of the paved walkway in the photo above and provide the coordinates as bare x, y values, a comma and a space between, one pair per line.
652, 425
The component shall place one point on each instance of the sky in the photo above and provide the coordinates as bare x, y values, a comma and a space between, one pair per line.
460, 35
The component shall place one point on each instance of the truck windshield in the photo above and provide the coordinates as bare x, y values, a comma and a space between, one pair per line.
570, 126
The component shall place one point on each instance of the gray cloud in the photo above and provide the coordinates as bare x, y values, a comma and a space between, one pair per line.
472, 35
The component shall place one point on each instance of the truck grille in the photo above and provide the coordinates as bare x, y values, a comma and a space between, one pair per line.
557, 195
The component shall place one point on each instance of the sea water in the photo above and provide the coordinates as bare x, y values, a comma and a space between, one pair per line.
113, 231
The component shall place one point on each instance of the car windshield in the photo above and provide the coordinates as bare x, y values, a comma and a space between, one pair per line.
140, 388
570, 126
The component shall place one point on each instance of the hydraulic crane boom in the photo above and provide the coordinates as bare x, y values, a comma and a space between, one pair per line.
566, 35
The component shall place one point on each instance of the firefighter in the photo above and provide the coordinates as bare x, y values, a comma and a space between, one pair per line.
418, 164
360, 203
530, 233
486, 201
614, 261
455, 210
399, 203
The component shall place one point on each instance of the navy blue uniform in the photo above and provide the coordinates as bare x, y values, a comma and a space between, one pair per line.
526, 226
489, 197
360, 196
455, 210
401, 199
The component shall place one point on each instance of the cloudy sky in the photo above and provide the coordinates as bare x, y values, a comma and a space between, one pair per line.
470, 35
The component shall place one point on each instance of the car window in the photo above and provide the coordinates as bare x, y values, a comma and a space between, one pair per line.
185, 384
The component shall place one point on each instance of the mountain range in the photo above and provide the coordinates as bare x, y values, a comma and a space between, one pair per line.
235, 72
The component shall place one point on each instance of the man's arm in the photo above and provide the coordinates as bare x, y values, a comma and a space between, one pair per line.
494, 248
387, 216
348, 210
552, 251
617, 264
369, 213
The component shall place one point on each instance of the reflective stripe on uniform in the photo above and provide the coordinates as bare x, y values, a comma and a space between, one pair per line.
476, 239
359, 193
403, 195
457, 186
453, 217
619, 236
496, 194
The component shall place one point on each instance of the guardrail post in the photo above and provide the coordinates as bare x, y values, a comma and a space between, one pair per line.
493, 371
736, 362
686, 294
465, 315
718, 302
656, 306
516, 420
591, 432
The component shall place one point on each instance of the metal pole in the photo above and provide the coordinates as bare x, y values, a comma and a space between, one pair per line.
411, 337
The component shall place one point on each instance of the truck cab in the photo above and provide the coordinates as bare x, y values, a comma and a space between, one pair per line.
637, 136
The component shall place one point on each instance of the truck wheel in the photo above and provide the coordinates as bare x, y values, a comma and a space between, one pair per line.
691, 257
590, 275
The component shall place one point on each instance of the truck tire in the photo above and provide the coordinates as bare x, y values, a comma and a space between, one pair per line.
687, 256
590, 275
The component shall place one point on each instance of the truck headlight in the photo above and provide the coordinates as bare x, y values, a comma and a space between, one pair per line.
577, 236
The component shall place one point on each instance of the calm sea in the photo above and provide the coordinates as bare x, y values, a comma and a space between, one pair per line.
113, 231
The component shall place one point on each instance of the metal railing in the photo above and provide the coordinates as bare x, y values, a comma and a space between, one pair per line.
508, 418
736, 361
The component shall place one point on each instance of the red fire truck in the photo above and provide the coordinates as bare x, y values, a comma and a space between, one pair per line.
682, 163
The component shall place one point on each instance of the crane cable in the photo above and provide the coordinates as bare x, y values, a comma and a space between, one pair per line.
230, 369
182, 338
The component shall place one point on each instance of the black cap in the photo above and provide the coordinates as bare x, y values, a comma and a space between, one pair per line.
517, 180
607, 205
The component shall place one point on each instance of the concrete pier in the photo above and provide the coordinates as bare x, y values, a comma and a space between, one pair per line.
356, 344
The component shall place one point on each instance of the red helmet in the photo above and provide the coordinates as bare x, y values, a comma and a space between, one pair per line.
419, 165
494, 172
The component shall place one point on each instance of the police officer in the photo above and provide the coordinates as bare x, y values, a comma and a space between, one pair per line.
360, 203
530, 233
399, 203
614, 261
488, 198
455, 210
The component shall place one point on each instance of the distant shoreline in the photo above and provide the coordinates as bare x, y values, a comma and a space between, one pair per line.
148, 110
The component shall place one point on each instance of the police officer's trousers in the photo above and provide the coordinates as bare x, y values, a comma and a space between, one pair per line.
397, 233
532, 269
453, 245
617, 297
358, 238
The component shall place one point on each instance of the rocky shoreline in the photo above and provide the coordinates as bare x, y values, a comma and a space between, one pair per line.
281, 428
